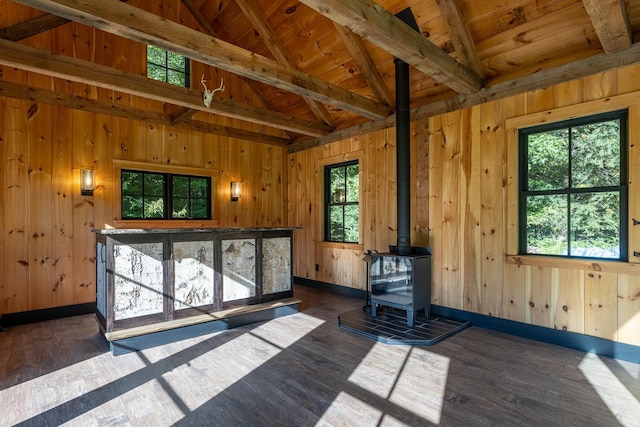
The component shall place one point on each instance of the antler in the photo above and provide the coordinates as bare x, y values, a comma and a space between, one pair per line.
221, 88
207, 96
203, 81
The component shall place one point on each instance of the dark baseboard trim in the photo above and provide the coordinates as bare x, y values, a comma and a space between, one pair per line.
331, 288
576, 341
13, 319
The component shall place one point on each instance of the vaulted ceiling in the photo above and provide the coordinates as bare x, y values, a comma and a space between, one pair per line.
322, 70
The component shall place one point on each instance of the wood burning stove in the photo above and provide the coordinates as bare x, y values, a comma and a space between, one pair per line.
402, 282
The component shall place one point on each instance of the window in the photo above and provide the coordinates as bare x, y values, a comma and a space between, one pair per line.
342, 209
154, 195
167, 67
573, 193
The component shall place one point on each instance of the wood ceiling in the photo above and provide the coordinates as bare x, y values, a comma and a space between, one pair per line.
323, 70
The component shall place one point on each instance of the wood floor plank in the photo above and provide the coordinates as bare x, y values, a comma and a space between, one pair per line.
303, 370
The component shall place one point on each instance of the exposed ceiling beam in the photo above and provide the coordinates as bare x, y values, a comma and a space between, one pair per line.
66, 100
32, 27
61, 66
259, 22
610, 20
136, 24
540, 80
368, 68
374, 23
460, 35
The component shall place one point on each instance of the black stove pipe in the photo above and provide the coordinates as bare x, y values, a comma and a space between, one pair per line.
403, 146
403, 161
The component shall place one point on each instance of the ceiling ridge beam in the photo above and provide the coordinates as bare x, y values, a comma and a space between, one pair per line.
372, 22
136, 24
56, 65
67, 100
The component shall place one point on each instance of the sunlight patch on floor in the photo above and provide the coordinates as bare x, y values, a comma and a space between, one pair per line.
378, 373
252, 350
620, 401
406, 379
422, 384
345, 407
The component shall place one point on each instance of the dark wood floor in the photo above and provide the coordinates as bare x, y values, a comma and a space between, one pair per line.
302, 370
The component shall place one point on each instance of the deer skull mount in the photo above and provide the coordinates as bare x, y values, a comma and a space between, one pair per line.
207, 96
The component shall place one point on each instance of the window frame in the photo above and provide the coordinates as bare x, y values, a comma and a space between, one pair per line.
328, 203
621, 188
186, 72
168, 195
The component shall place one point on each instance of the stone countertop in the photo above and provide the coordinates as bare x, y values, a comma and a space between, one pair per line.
116, 231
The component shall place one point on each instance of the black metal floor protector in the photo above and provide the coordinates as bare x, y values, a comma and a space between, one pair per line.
390, 327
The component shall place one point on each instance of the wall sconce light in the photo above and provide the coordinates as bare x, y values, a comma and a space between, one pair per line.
235, 191
86, 182
338, 196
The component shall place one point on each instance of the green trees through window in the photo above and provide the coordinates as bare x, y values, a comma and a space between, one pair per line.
573, 197
342, 209
153, 195
167, 66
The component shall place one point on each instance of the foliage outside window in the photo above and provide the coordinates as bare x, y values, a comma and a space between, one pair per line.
342, 209
154, 195
167, 66
573, 193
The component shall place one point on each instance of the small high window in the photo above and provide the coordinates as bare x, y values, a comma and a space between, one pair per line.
573, 188
167, 67
342, 202
154, 195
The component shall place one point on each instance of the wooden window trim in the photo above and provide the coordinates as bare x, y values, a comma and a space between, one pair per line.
631, 101
118, 222
320, 202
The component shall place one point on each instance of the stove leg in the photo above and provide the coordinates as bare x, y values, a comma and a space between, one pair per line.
411, 317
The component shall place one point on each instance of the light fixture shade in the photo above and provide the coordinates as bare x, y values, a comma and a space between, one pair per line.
235, 191
86, 182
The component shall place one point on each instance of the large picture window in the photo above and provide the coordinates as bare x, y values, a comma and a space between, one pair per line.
154, 195
573, 188
342, 207
167, 66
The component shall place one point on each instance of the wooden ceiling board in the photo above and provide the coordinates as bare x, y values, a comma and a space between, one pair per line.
544, 31
539, 51
488, 18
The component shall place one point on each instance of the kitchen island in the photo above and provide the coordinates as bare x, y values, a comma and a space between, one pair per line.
150, 281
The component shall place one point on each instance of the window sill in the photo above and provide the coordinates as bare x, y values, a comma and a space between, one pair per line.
165, 223
346, 246
575, 264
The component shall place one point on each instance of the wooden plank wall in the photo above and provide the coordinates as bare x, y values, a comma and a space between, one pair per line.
343, 263
461, 184
47, 255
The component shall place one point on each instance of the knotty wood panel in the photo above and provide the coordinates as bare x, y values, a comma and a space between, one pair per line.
628, 309
16, 201
47, 248
342, 263
601, 305
492, 201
